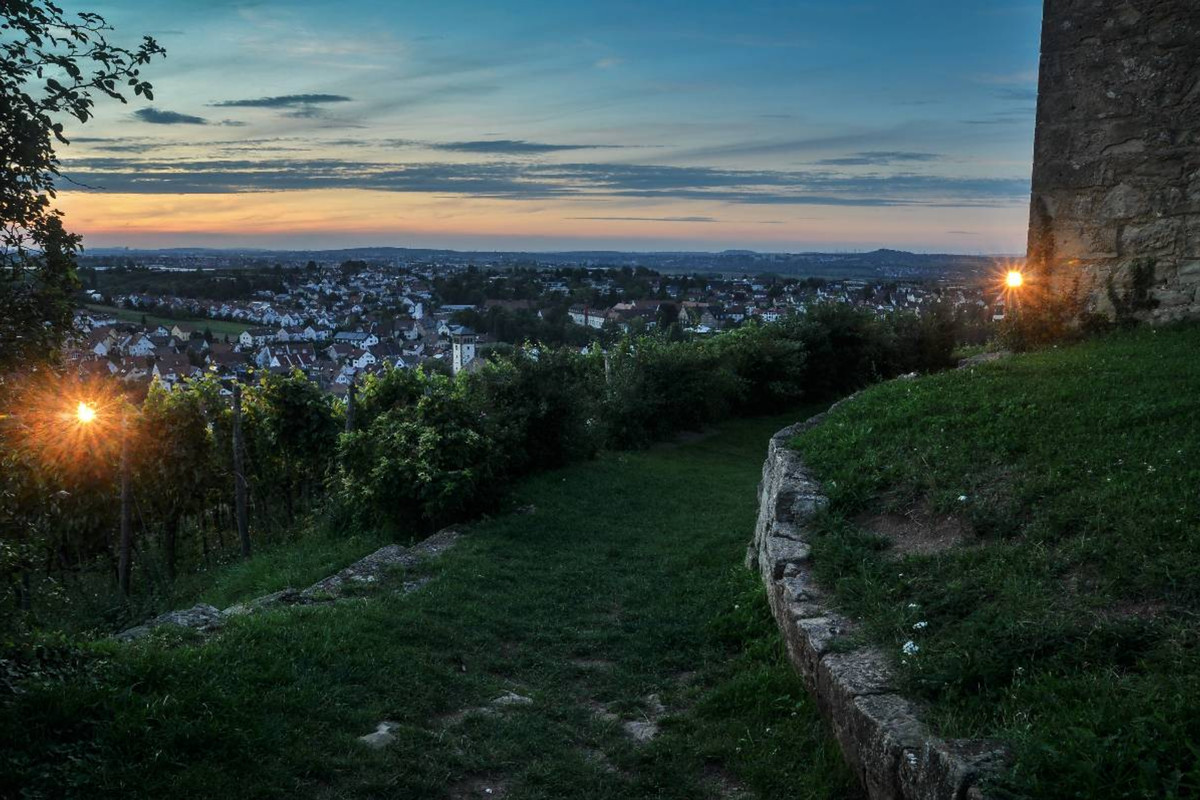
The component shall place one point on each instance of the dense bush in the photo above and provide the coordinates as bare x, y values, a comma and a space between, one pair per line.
541, 407
420, 464
656, 388
769, 368
291, 432
430, 449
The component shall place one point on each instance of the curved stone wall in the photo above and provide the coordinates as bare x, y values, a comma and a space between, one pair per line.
880, 732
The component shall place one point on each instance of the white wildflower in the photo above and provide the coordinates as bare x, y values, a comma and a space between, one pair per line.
912, 605
910, 648
962, 498
920, 626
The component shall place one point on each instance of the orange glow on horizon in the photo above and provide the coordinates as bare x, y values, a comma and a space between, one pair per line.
1014, 279
424, 219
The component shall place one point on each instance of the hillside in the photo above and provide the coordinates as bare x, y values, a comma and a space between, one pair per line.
1024, 538
882, 263
616, 606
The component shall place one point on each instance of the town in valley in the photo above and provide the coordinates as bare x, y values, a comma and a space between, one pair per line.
338, 316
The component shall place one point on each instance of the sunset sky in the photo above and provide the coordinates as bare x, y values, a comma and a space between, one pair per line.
828, 124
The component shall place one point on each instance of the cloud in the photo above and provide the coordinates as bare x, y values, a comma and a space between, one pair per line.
509, 180
779, 147
119, 146
652, 219
1021, 116
284, 101
1008, 78
512, 147
1027, 94
305, 112
878, 158
156, 116
609, 63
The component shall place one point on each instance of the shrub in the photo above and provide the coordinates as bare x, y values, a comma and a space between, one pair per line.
769, 369
1044, 318
421, 465
654, 389
541, 406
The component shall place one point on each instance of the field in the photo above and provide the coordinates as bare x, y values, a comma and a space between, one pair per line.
622, 589
217, 326
1032, 528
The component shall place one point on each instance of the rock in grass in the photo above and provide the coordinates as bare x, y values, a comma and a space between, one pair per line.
382, 736
200, 617
511, 699
641, 731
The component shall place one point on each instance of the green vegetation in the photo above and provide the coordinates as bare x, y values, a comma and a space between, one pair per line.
426, 449
53, 68
1066, 622
203, 284
219, 327
620, 585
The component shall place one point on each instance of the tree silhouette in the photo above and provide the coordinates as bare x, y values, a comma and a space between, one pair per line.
52, 68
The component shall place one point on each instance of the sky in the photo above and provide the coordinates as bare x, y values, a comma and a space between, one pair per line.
529, 125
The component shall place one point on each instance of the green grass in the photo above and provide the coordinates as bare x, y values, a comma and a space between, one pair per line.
89, 604
633, 561
1068, 625
217, 326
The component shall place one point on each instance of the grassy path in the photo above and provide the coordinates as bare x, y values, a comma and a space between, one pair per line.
622, 590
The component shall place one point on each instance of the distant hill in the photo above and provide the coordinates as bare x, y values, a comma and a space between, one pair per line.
891, 264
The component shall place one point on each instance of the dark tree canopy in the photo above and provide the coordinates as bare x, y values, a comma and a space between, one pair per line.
53, 67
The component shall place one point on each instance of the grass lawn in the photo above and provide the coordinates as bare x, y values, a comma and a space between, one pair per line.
217, 326
1065, 619
625, 583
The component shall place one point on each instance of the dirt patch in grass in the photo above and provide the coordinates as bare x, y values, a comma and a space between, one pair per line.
918, 531
598, 757
477, 787
724, 785
1143, 610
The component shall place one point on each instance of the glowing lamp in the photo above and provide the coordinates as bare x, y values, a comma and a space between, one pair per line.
85, 413
1014, 279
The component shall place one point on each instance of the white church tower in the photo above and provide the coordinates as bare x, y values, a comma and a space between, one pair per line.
464, 349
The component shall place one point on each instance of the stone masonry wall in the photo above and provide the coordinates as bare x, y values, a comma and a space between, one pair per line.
890, 749
1116, 178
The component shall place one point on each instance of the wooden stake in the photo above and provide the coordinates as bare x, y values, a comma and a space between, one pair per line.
239, 473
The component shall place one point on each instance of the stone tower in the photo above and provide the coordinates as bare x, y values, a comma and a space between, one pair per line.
463, 343
1116, 175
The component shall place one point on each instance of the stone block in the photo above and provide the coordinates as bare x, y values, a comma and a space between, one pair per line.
1121, 202
843, 676
950, 768
1150, 238
778, 553
1189, 274
878, 730
1191, 237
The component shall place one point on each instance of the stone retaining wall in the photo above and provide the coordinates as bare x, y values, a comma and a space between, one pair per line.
880, 732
